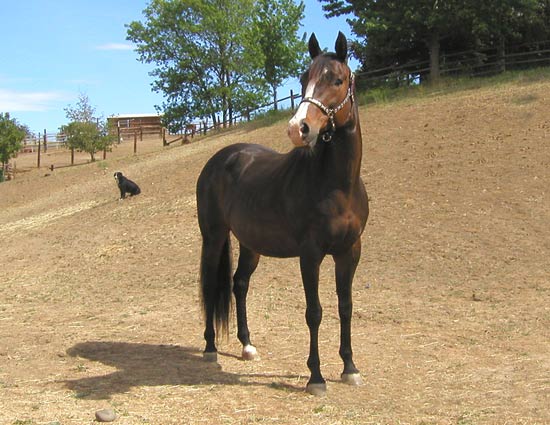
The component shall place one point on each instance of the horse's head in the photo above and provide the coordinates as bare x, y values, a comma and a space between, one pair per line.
327, 95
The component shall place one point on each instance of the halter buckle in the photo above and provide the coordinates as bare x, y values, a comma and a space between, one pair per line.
327, 136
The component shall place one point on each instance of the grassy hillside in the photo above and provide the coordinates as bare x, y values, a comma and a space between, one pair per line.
99, 297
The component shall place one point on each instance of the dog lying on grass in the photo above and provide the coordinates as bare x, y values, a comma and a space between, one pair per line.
126, 186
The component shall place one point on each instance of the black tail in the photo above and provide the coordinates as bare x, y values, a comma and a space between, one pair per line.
218, 292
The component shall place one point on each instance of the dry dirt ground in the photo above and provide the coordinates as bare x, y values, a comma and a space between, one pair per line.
99, 298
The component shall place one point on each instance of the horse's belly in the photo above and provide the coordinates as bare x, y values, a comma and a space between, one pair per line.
265, 237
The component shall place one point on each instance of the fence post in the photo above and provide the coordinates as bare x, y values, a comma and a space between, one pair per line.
45, 142
501, 53
291, 100
72, 156
135, 142
39, 147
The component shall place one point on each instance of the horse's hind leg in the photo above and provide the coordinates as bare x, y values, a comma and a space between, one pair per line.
346, 265
248, 261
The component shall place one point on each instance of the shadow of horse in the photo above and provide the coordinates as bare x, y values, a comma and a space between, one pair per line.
155, 365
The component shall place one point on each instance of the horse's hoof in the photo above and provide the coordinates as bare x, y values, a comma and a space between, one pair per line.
317, 390
210, 357
250, 353
352, 379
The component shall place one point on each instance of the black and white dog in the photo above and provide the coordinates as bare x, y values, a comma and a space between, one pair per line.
126, 186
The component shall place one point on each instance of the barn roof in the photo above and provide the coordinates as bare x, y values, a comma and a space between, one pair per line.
127, 116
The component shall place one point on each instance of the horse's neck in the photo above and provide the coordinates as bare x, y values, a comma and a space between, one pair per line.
343, 160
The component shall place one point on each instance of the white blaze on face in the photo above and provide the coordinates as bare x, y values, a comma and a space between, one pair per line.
295, 123
301, 113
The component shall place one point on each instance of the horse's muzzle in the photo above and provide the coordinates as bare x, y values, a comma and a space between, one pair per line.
301, 133
293, 132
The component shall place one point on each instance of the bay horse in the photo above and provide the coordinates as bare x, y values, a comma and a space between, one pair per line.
307, 203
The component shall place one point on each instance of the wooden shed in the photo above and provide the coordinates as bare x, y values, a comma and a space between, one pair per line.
139, 124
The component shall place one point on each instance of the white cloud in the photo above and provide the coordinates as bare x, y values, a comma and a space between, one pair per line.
115, 46
19, 101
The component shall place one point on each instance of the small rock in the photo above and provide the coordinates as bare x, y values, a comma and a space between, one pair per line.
105, 415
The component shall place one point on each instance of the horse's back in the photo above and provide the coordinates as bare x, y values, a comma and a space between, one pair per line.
222, 176
226, 167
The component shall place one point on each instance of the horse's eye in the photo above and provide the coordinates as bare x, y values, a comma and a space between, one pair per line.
338, 82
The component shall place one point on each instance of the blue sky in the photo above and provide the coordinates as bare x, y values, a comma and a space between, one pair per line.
54, 50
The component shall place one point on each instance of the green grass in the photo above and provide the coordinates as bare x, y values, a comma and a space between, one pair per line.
268, 118
448, 85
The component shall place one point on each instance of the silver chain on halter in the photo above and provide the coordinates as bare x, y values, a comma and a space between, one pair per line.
331, 112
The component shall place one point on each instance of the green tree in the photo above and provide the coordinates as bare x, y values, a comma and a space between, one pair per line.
276, 24
500, 23
394, 33
11, 137
206, 60
87, 137
86, 132
399, 32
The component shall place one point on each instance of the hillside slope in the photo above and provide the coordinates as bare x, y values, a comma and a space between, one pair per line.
99, 298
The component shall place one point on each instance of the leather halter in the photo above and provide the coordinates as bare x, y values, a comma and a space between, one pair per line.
331, 112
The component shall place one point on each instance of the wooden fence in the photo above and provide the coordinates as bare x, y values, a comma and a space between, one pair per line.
45, 140
289, 101
44, 143
471, 63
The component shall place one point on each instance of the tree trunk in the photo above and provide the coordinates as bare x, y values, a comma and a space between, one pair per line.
434, 47
229, 100
224, 114
274, 87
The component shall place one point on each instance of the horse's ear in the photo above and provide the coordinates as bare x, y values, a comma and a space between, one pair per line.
313, 46
341, 47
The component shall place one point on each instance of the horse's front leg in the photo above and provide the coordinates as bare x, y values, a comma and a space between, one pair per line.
346, 265
309, 266
248, 261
